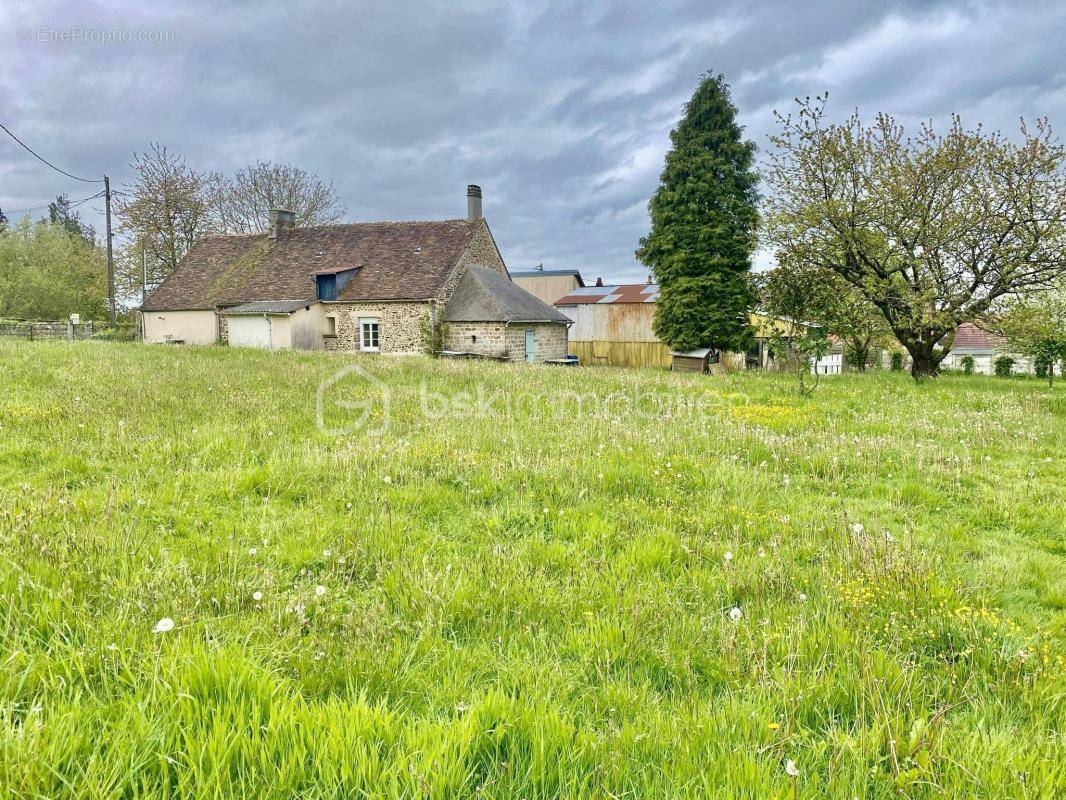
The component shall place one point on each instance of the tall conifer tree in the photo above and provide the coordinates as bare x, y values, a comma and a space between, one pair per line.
703, 227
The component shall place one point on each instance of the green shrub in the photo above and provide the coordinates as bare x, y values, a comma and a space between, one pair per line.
897, 361
1004, 366
967, 365
432, 333
121, 332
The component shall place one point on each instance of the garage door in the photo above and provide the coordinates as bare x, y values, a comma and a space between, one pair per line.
249, 332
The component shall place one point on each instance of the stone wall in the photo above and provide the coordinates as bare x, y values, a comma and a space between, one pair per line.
223, 328
498, 339
481, 252
399, 325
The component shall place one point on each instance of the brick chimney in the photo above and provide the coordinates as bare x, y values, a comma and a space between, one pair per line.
473, 203
281, 219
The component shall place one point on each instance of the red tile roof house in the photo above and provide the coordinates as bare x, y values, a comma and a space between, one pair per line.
984, 347
374, 287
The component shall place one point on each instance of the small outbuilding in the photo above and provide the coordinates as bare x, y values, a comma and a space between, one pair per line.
692, 361
489, 315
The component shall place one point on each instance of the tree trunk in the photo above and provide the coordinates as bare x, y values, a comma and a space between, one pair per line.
861, 356
925, 363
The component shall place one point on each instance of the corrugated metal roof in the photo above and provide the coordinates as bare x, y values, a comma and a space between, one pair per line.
268, 307
620, 293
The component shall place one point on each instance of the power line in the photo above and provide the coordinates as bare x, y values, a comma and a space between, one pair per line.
44, 160
41, 208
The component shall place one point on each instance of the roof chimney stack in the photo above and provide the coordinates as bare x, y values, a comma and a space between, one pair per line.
473, 203
281, 219
599, 281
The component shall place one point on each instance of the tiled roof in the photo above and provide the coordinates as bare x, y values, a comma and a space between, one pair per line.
623, 293
396, 261
484, 295
969, 336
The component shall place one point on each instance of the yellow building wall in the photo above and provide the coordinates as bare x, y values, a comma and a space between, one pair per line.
547, 288
191, 327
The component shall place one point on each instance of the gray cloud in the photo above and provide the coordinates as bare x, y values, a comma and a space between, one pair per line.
561, 112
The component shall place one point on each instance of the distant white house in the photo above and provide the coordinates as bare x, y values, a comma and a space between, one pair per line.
984, 347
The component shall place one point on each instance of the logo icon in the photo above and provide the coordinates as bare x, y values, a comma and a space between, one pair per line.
364, 393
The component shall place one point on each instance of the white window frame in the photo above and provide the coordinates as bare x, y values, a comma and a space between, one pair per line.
365, 324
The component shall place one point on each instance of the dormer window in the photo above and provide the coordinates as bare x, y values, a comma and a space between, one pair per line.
330, 282
326, 286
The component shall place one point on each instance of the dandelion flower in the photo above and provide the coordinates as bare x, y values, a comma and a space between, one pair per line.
791, 769
164, 625
257, 596
774, 726
728, 556
387, 479
252, 551
857, 528
320, 590
735, 614
803, 597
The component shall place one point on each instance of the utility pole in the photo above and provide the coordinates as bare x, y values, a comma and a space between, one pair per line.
110, 254
144, 274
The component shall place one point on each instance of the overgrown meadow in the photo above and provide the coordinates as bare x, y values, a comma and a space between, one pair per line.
479, 580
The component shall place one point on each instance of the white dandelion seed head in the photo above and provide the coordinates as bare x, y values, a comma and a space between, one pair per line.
857, 528
257, 596
728, 555
320, 590
791, 769
387, 479
803, 597
164, 625
735, 613
252, 551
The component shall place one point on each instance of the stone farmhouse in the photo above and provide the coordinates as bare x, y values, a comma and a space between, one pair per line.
378, 287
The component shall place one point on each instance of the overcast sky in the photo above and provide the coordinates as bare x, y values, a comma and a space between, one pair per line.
561, 112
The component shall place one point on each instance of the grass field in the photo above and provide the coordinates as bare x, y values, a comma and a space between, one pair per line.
533, 602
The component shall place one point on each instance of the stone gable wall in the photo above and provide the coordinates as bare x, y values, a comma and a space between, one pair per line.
481, 252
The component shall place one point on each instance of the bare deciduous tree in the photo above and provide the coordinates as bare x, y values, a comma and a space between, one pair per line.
166, 209
931, 230
242, 203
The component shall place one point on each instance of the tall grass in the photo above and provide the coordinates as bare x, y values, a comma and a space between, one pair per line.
529, 602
